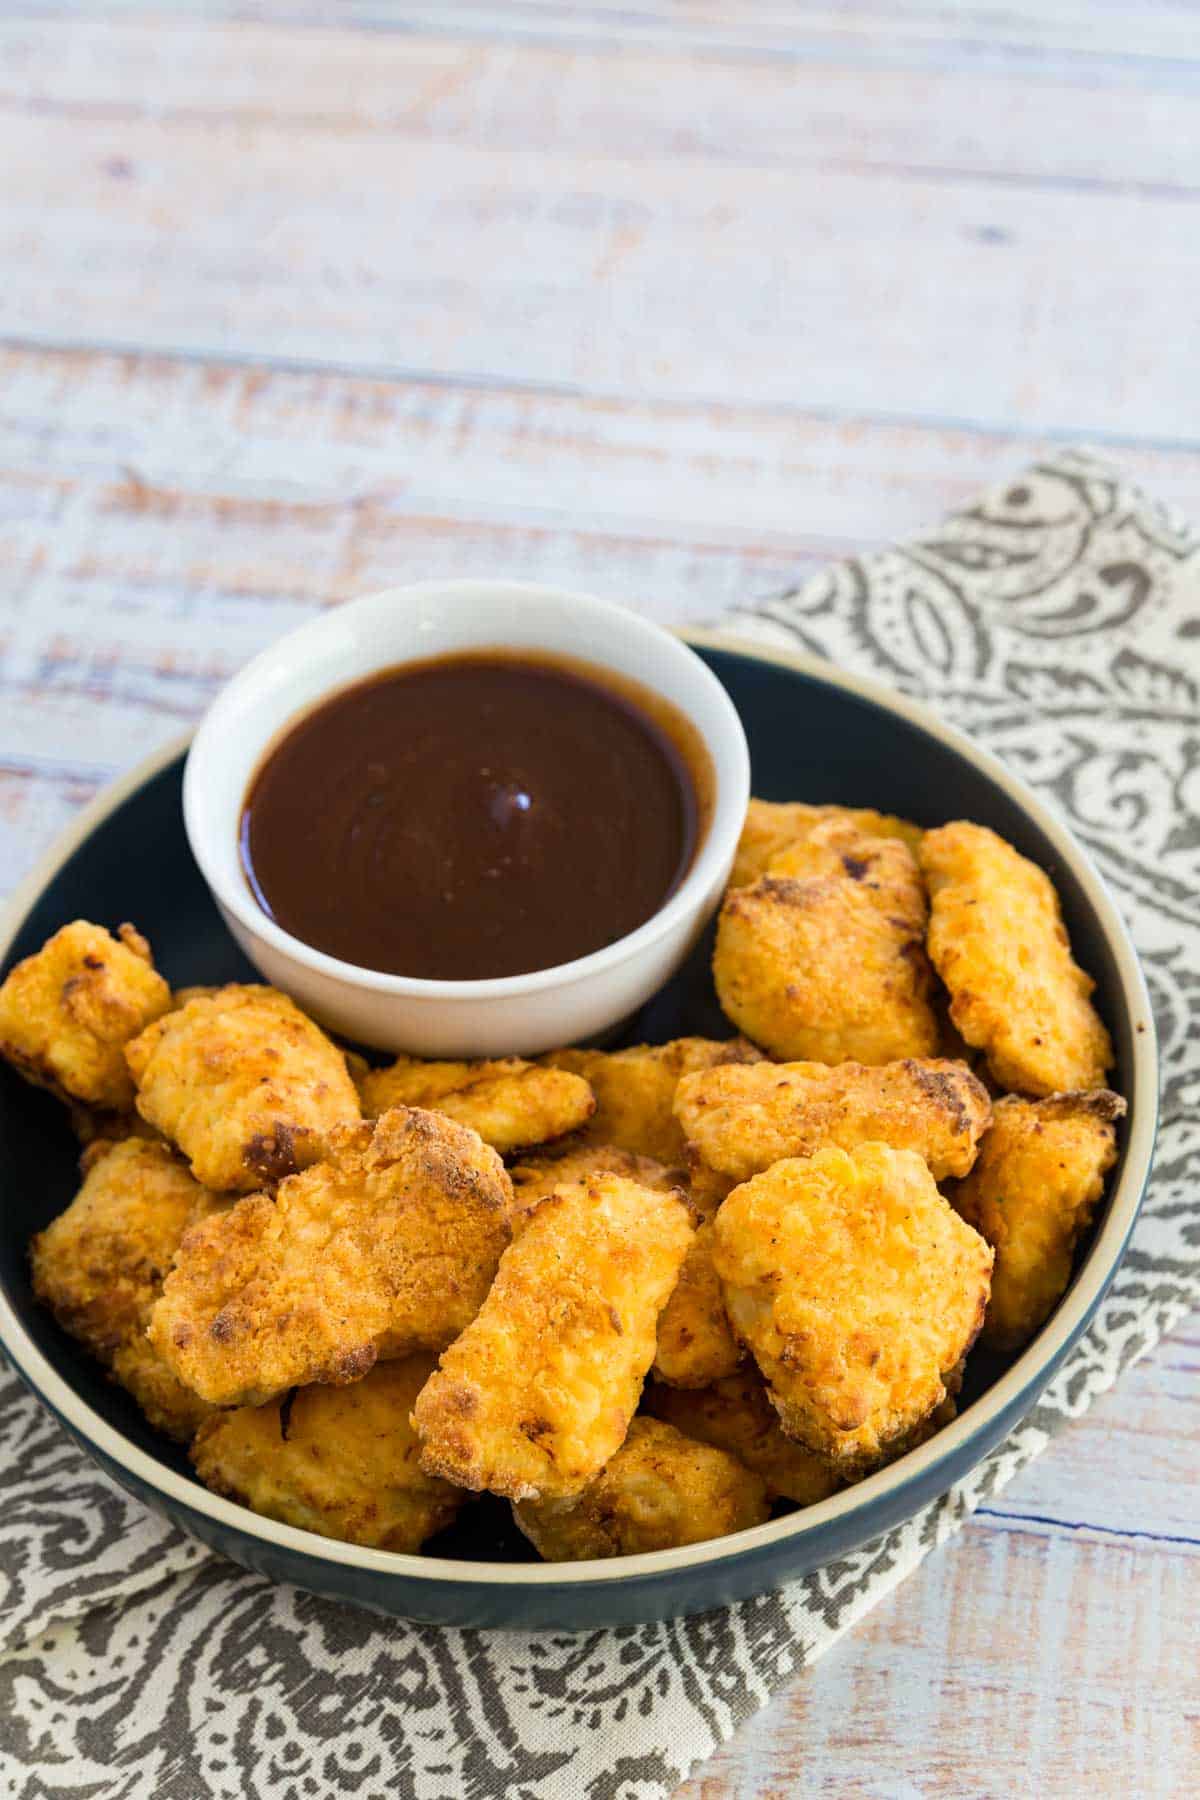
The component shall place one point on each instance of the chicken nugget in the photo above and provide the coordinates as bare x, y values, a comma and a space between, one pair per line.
660, 1490
101, 1264
831, 967
512, 1104
387, 1247
696, 1344
736, 1415
536, 1176
857, 1289
67, 1012
998, 941
635, 1089
1033, 1194
739, 1121
775, 826
341, 1461
244, 1084
537, 1394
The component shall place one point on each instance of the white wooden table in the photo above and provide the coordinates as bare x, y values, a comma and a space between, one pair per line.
670, 302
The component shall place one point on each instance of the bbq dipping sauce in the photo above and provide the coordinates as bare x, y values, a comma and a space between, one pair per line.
478, 815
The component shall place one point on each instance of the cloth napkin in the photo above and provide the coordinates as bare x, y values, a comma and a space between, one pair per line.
1058, 619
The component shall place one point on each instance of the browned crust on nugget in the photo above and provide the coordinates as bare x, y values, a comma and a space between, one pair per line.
511, 1103
1033, 1194
635, 1089
659, 1491
340, 1461
67, 1011
997, 939
537, 1394
739, 1121
387, 1247
243, 1083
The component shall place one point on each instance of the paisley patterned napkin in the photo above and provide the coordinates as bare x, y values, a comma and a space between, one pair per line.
1059, 620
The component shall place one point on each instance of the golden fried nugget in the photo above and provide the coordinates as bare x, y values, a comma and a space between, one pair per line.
1032, 1195
739, 1121
101, 1264
387, 1247
67, 1012
536, 1176
775, 826
511, 1104
244, 1084
831, 967
635, 1089
998, 942
660, 1490
696, 1344
537, 1394
885, 865
341, 1461
736, 1415
857, 1288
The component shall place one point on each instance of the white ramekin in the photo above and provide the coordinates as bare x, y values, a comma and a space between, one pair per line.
520, 1013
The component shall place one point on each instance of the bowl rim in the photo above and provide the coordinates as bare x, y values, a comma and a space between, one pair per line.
731, 778
1023, 1377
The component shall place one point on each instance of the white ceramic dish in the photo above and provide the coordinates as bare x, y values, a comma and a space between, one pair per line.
519, 1014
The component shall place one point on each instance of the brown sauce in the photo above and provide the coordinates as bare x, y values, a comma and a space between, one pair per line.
475, 816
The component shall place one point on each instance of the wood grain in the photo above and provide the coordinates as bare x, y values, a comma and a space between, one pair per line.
672, 302
877, 289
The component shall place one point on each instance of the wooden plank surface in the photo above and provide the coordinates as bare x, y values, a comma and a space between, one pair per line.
886, 288
669, 302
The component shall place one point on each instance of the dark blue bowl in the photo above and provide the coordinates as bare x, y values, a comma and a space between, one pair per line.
813, 734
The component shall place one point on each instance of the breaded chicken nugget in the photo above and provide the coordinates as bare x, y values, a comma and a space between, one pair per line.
537, 1394
536, 1176
736, 1415
696, 1343
885, 865
100, 1266
244, 1084
387, 1247
740, 1121
774, 826
660, 1490
67, 1012
1032, 1195
831, 967
341, 1461
998, 942
511, 1104
635, 1089
857, 1288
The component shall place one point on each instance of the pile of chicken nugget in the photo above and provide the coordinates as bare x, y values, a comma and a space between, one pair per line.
648, 1296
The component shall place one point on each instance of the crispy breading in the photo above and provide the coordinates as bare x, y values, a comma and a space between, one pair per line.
857, 1288
536, 1176
773, 826
739, 1121
831, 967
736, 1415
67, 1012
884, 865
244, 1084
537, 1394
101, 1264
635, 1089
696, 1343
660, 1490
1033, 1194
998, 941
341, 1461
512, 1104
387, 1247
